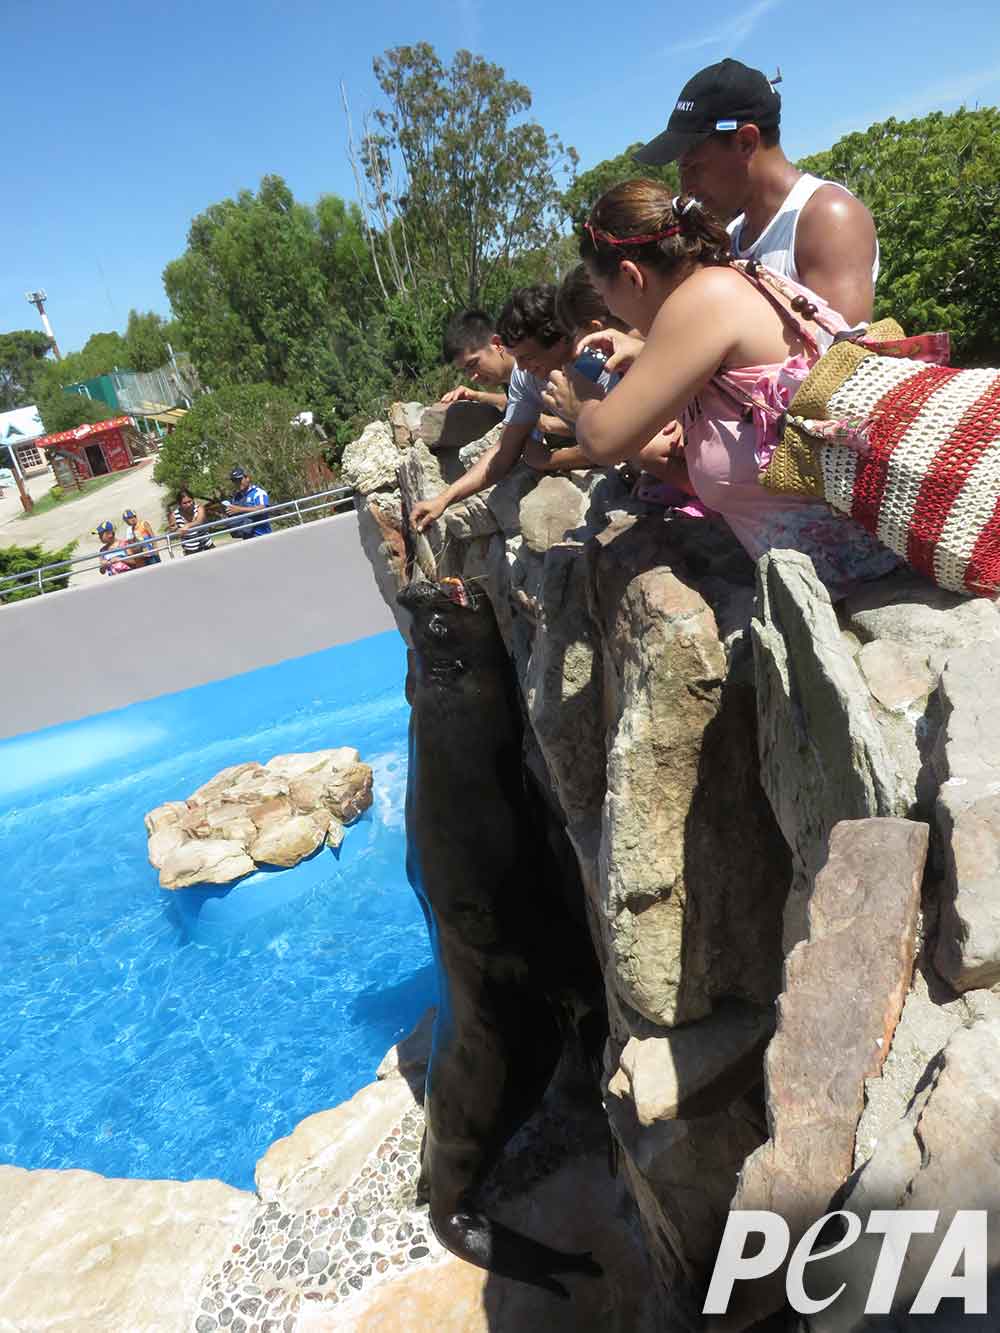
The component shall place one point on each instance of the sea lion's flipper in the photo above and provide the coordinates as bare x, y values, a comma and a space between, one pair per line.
490, 1245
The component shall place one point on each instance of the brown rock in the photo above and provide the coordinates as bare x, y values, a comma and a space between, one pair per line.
309, 792
228, 777
844, 991
204, 861
165, 816
335, 833
293, 766
349, 793
163, 841
275, 807
697, 1069
81, 1252
287, 842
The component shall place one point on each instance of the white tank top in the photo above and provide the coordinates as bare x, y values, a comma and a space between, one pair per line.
775, 246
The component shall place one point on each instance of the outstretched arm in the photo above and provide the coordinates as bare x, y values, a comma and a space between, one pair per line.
692, 335
486, 471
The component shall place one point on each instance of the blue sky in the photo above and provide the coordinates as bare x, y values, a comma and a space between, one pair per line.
126, 120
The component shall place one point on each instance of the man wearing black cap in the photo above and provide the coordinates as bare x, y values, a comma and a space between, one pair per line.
724, 135
248, 498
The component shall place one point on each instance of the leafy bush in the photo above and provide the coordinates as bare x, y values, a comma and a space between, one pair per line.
933, 186
24, 559
245, 424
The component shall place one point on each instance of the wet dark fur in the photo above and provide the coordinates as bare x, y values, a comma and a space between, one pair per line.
511, 961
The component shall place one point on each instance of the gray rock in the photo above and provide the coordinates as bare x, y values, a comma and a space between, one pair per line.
910, 611
455, 425
936, 1158
823, 757
967, 816
370, 462
404, 421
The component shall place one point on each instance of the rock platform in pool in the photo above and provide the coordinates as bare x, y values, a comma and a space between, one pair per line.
253, 814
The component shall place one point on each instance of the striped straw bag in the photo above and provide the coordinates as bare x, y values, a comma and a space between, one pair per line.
908, 447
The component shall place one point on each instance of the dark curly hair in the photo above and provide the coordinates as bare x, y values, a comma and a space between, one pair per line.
531, 313
645, 209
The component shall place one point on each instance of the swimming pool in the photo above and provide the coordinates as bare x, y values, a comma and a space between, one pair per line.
177, 1035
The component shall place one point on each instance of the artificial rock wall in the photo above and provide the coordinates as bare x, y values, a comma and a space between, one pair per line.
787, 819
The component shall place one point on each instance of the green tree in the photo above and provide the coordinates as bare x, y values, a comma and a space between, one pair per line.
255, 291
247, 424
22, 354
147, 337
588, 187
23, 560
478, 183
65, 411
933, 186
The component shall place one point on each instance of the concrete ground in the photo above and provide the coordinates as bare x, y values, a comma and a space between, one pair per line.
77, 520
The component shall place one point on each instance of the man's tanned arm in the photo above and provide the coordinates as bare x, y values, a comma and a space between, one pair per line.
835, 250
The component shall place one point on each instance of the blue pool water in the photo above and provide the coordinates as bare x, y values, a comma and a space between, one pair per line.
162, 1034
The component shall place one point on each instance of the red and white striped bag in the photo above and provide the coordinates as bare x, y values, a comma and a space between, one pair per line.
908, 448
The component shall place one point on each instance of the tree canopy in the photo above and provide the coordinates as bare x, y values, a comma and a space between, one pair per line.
458, 181
933, 186
246, 424
588, 187
146, 340
22, 355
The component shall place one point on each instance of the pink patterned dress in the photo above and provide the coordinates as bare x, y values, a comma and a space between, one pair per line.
730, 434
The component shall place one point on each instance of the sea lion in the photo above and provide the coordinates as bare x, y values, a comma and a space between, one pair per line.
511, 960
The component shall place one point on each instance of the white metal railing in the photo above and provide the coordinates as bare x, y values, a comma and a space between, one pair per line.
289, 511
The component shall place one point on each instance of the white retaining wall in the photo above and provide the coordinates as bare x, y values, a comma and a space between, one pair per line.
185, 622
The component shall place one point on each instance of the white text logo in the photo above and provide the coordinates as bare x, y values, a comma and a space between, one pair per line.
964, 1241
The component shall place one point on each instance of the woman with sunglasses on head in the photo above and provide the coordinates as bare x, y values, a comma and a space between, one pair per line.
724, 352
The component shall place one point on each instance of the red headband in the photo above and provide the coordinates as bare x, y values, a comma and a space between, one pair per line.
597, 234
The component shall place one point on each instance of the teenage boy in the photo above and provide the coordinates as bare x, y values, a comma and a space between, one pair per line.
531, 335
724, 133
472, 346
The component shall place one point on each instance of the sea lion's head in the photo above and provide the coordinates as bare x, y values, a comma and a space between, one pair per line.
452, 624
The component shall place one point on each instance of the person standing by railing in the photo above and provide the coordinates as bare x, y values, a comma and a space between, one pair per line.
142, 533
248, 498
185, 518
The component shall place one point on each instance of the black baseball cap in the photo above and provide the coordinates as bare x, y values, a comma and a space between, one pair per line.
237, 474
721, 97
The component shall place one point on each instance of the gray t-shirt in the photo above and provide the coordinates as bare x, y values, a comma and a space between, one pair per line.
524, 398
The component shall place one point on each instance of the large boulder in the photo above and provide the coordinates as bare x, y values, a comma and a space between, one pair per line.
369, 462
273, 814
823, 756
858, 957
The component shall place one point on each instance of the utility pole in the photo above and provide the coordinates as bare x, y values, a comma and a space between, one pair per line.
38, 299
